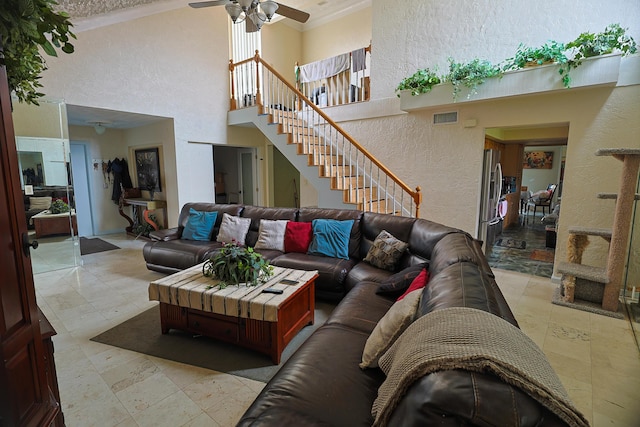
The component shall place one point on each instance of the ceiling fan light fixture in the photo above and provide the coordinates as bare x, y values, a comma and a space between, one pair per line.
269, 8
258, 19
234, 11
245, 4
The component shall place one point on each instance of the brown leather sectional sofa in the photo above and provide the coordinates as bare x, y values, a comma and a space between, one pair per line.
322, 384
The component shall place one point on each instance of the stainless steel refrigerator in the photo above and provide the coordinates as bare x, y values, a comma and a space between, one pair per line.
490, 222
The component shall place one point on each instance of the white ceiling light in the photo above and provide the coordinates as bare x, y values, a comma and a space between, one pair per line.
99, 127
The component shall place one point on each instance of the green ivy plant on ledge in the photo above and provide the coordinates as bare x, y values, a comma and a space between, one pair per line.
568, 56
470, 74
25, 27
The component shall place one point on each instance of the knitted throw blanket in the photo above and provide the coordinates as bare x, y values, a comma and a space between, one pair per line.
472, 340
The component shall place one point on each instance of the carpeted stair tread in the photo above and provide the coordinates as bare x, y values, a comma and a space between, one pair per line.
613, 196
595, 274
587, 231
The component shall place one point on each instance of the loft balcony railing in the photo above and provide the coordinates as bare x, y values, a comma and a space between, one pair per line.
362, 178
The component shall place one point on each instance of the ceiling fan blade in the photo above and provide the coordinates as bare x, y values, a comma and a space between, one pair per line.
291, 13
250, 27
208, 3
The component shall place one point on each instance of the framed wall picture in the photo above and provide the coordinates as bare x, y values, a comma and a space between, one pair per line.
148, 169
538, 160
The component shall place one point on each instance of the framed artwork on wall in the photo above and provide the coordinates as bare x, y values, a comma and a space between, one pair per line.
148, 169
537, 160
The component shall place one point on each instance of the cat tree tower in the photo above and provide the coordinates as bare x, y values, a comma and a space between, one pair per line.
592, 288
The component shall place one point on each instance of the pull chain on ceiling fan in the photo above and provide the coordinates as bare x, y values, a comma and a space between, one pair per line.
257, 11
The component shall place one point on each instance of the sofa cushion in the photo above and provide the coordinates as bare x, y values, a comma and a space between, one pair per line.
464, 285
258, 213
178, 254
199, 226
309, 214
365, 272
332, 271
389, 328
451, 249
425, 235
233, 229
271, 234
374, 223
386, 251
297, 237
330, 238
361, 308
398, 283
233, 210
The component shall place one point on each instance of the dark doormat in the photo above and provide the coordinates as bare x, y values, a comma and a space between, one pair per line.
142, 334
511, 243
95, 245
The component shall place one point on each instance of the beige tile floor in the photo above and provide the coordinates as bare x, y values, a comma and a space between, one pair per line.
595, 356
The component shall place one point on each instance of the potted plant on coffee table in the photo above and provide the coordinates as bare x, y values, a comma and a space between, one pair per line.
234, 264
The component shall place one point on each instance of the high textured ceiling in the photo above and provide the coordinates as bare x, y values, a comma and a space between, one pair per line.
321, 11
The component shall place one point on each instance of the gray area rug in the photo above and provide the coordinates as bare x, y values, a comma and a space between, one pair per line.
95, 245
142, 334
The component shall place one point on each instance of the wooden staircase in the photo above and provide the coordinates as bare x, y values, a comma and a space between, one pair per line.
584, 286
311, 141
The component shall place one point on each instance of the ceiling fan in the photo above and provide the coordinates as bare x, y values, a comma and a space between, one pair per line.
257, 11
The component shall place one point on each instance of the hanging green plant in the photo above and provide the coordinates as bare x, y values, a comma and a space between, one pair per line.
470, 74
587, 45
420, 82
25, 27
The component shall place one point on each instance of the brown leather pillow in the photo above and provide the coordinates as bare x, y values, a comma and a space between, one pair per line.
398, 283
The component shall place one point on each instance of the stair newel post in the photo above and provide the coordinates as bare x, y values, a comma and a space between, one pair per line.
258, 94
232, 102
417, 199
621, 226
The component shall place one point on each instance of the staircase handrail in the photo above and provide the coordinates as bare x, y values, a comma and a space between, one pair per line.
415, 195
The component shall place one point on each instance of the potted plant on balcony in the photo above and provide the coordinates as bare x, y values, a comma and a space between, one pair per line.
420, 82
587, 45
470, 74
234, 264
25, 27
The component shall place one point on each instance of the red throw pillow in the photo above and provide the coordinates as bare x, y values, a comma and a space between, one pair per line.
419, 282
297, 236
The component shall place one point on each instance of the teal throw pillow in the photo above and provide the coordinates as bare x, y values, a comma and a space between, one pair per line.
199, 225
331, 238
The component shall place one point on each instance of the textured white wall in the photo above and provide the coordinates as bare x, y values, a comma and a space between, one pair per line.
172, 64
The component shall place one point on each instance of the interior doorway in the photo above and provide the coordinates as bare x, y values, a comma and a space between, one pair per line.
236, 172
526, 239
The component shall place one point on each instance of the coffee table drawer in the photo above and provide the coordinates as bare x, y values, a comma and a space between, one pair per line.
214, 326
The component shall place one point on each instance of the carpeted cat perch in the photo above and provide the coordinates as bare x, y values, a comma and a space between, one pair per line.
597, 289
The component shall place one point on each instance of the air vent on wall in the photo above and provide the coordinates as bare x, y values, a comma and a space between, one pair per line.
441, 118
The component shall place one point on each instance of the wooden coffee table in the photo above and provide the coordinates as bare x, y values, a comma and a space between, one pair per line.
242, 315
48, 224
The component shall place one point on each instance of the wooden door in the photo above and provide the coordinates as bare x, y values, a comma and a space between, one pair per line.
25, 396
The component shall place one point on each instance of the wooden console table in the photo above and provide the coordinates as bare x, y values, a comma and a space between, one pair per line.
147, 205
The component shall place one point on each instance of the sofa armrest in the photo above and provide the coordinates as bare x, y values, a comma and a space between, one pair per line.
165, 235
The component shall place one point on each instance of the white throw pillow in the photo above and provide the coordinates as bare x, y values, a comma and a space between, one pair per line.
40, 202
233, 228
271, 234
389, 328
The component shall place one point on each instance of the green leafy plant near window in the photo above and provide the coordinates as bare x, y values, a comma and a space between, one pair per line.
234, 264
58, 206
420, 82
470, 74
25, 27
587, 45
